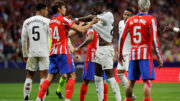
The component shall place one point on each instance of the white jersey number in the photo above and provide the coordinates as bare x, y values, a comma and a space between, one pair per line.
55, 33
138, 34
36, 34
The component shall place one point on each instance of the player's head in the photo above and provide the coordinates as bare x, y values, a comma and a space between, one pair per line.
128, 12
98, 7
42, 9
59, 7
144, 5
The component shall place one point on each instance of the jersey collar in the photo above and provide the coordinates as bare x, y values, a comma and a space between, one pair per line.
141, 14
55, 15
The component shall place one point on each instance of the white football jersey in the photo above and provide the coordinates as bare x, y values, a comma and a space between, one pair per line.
35, 33
127, 44
104, 27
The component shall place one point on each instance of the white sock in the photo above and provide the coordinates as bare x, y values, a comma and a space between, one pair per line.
99, 87
123, 79
67, 100
115, 88
41, 81
27, 87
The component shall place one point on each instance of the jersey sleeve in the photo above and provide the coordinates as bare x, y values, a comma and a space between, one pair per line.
24, 38
105, 17
155, 37
123, 36
67, 22
90, 31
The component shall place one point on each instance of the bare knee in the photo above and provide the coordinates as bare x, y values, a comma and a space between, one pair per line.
109, 73
64, 76
71, 76
121, 71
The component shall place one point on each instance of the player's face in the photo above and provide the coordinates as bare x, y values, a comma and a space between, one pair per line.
45, 12
63, 10
126, 15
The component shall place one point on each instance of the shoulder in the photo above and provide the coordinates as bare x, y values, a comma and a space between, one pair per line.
69, 21
90, 30
121, 22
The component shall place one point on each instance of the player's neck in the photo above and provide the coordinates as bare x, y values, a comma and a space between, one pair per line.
38, 14
143, 12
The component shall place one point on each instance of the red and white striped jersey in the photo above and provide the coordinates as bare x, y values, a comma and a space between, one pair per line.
91, 48
143, 33
59, 27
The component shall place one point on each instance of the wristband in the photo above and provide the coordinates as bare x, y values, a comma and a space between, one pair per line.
76, 19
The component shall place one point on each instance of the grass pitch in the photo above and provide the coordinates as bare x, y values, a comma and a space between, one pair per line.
160, 92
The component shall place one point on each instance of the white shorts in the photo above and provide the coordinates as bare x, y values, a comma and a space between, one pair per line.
125, 63
104, 56
33, 63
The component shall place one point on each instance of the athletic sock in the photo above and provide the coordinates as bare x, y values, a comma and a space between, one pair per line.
105, 91
128, 99
27, 87
70, 88
83, 91
123, 79
43, 88
61, 84
99, 87
147, 99
41, 81
115, 88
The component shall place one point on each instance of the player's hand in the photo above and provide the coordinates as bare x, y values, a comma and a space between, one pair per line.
168, 28
25, 59
81, 23
95, 20
121, 60
160, 62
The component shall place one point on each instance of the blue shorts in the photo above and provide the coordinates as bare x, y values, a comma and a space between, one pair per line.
89, 71
61, 62
143, 68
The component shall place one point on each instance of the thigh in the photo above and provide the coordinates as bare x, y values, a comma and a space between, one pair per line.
66, 64
32, 63
147, 69
43, 63
98, 70
109, 73
88, 71
133, 72
53, 67
126, 62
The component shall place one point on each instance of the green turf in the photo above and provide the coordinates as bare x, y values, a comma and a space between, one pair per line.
160, 92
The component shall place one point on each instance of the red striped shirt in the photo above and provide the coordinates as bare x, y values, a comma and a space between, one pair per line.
59, 27
91, 48
143, 32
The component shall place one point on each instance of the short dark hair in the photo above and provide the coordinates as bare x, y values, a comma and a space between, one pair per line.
40, 6
57, 4
130, 10
98, 3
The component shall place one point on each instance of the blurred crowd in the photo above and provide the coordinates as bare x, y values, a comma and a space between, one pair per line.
14, 12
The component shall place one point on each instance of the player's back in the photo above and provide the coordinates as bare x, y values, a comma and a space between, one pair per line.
91, 48
142, 30
59, 26
37, 29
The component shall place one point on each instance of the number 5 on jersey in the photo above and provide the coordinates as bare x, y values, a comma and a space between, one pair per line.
137, 35
55, 34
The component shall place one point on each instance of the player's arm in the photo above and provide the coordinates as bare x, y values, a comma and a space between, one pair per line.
156, 41
88, 40
83, 29
122, 40
85, 18
170, 28
24, 38
72, 32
